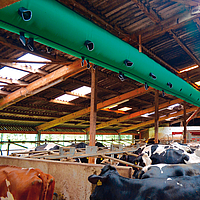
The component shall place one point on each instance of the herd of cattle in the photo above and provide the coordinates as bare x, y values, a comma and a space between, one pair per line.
169, 172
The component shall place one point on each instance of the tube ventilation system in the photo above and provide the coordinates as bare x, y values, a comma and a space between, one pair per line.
54, 25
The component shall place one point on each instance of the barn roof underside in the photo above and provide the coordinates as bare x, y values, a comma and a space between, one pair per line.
167, 31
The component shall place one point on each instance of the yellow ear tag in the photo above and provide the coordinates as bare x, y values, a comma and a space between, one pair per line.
99, 183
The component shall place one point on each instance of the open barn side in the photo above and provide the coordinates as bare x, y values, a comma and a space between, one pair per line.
71, 178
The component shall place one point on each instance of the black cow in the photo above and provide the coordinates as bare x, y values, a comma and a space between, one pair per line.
112, 186
169, 170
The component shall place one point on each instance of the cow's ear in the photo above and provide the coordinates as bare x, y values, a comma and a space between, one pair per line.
94, 179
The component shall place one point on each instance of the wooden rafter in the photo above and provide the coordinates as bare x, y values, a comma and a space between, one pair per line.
136, 114
143, 124
4, 3
193, 115
24, 67
13, 82
185, 48
132, 94
7, 61
167, 25
83, 10
149, 12
188, 2
42, 84
11, 43
4, 93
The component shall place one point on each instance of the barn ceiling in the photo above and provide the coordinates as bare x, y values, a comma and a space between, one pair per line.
166, 31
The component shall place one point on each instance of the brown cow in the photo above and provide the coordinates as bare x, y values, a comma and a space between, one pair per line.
18, 183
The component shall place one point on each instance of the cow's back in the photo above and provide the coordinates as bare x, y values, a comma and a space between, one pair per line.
23, 183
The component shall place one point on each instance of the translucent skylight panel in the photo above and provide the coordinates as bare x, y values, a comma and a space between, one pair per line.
125, 109
197, 83
12, 73
31, 57
147, 114
2, 85
66, 97
173, 106
82, 90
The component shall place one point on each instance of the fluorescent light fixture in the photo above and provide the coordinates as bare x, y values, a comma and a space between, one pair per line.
31, 57
66, 97
173, 106
197, 83
189, 68
82, 90
125, 109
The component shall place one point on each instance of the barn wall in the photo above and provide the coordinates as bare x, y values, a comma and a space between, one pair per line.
165, 133
71, 178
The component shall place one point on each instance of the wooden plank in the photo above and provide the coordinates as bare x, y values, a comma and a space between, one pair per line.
93, 111
4, 3
132, 94
184, 123
123, 162
156, 115
41, 84
153, 121
136, 114
194, 114
183, 46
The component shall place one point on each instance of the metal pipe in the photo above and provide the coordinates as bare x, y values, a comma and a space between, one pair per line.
69, 34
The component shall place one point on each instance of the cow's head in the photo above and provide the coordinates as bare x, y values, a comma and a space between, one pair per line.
103, 182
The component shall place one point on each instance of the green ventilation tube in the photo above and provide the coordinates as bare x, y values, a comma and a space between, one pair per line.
53, 24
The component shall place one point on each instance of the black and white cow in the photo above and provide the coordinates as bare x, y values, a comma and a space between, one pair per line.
168, 154
85, 159
112, 186
49, 146
169, 170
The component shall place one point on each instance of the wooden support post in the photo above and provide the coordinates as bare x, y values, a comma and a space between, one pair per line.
93, 110
184, 123
140, 43
156, 115
38, 138
133, 139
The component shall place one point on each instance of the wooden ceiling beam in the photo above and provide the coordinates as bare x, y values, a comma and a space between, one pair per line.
147, 123
24, 68
137, 114
193, 115
166, 25
42, 84
149, 12
75, 5
11, 43
183, 46
187, 2
7, 61
132, 94
4, 3
13, 82
4, 93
